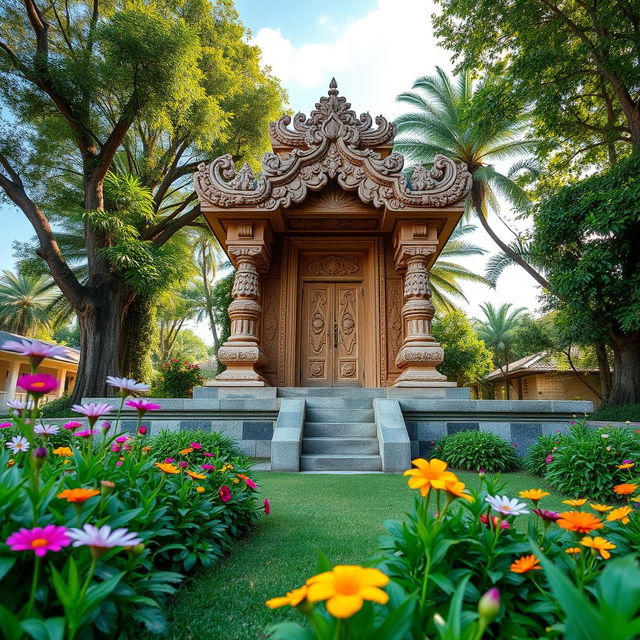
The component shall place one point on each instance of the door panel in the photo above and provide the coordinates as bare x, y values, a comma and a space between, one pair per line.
330, 350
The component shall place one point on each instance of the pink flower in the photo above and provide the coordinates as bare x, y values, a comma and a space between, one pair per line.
183, 464
6, 425
38, 384
72, 426
142, 406
208, 467
225, 493
195, 445
115, 448
36, 351
208, 455
121, 439
127, 385
19, 406
39, 539
93, 410
548, 459
119, 463
169, 460
142, 430
106, 425
85, 433
267, 507
250, 483
549, 516
495, 522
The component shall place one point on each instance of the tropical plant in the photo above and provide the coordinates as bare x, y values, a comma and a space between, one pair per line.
497, 330
454, 118
472, 450
177, 379
25, 303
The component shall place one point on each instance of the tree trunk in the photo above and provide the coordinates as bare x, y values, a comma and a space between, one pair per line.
139, 333
625, 387
604, 370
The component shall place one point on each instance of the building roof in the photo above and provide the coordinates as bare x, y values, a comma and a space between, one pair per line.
73, 355
541, 362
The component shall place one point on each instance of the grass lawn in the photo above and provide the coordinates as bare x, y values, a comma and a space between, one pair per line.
340, 515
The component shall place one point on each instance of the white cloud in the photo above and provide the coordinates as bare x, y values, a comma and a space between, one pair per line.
323, 19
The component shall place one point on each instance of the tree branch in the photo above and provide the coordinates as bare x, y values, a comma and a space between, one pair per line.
175, 225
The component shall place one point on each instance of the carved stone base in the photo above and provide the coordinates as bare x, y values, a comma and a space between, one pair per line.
241, 362
418, 363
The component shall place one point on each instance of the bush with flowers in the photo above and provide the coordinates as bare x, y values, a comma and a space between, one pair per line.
177, 379
460, 568
95, 531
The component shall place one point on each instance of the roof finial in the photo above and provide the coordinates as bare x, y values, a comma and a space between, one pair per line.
333, 87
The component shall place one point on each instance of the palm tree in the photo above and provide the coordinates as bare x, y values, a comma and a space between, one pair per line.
445, 273
497, 331
26, 302
445, 120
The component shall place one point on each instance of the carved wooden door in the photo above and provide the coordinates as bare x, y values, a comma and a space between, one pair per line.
330, 353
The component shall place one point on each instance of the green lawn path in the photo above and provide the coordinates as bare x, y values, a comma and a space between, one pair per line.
340, 515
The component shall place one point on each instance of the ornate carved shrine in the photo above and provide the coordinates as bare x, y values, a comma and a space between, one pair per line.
332, 245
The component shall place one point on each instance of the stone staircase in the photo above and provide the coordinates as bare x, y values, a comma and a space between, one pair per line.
340, 434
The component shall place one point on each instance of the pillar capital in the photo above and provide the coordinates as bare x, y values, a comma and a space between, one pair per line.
414, 240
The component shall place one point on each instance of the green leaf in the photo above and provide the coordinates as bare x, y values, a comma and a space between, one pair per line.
50, 629
10, 625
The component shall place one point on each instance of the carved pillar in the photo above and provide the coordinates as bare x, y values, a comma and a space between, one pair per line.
241, 353
420, 354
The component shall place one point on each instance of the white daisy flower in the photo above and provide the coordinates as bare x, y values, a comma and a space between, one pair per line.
46, 429
103, 537
510, 507
127, 385
18, 444
19, 406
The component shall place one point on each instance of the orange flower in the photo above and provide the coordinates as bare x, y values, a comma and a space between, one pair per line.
534, 494
195, 476
625, 489
525, 563
598, 544
457, 489
575, 503
293, 598
579, 521
63, 451
11, 463
573, 550
78, 495
185, 451
167, 468
199, 489
602, 508
621, 514
626, 465
428, 475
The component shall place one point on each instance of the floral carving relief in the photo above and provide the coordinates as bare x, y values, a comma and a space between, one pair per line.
333, 265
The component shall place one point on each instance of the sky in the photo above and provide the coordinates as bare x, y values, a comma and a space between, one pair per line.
375, 49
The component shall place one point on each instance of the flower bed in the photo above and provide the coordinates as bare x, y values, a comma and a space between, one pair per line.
98, 530
458, 569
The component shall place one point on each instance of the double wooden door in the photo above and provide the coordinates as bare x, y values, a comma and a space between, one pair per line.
331, 334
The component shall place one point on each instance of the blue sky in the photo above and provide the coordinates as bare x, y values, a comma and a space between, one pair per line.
375, 49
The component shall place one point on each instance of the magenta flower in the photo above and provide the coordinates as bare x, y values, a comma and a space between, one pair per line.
127, 385
85, 433
38, 384
142, 406
115, 448
208, 467
250, 483
208, 455
39, 539
267, 507
119, 463
195, 445
142, 430
72, 426
169, 460
549, 516
183, 464
5, 425
93, 410
106, 425
121, 439
36, 351
225, 493
548, 459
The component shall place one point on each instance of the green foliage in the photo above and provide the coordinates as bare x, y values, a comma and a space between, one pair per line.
474, 450
585, 461
177, 379
617, 413
58, 408
537, 459
221, 296
466, 358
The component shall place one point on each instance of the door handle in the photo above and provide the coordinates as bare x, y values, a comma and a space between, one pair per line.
335, 335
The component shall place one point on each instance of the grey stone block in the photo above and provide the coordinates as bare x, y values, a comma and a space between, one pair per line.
425, 449
248, 447
205, 392
340, 429
202, 404
355, 402
455, 427
340, 463
523, 435
415, 449
549, 428
339, 415
393, 438
577, 407
163, 425
263, 448
341, 446
231, 428
262, 393
232, 404
253, 404
449, 393
129, 426
516, 406
195, 425
257, 430
287, 435
502, 429
432, 430
413, 405
412, 429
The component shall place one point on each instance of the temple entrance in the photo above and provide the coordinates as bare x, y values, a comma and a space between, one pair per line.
331, 344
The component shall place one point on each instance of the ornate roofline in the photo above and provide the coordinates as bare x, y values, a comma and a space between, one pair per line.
332, 144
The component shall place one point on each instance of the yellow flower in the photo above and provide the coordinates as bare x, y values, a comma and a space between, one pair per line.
200, 489
626, 465
346, 587
575, 503
602, 508
428, 475
637, 499
598, 544
185, 451
196, 476
534, 494
525, 564
236, 481
625, 489
621, 514
457, 489
63, 451
293, 598
167, 468
573, 550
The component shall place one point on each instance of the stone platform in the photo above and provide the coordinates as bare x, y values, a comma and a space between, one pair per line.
353, 429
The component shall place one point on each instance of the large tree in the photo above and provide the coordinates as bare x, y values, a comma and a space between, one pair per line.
97, 88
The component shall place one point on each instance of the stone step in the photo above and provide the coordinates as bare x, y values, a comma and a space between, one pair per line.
341, 446
350, 402
339, 430
331, 392
339, 415
340, 463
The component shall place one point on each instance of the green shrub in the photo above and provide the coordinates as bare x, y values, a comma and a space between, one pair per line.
60, 408
177, 380
585, 461
617, 413
536, 461
475, 450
